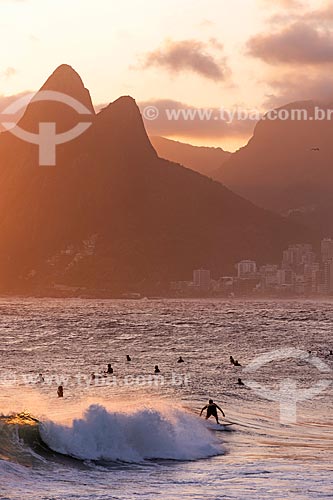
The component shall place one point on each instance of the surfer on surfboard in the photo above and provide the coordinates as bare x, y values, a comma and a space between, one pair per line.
212, 410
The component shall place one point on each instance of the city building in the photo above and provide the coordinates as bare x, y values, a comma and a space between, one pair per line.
268, 276
328, 276
295, 256
246, 269
302, 273
201, 278
326, 249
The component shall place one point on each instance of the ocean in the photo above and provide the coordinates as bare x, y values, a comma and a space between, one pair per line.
137, 435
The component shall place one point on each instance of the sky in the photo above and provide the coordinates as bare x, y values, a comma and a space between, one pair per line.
213, 54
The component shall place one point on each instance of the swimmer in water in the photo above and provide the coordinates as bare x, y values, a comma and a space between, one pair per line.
156, 369
128, 358
240, 382
180, 360
40, 379
212, 410
60, 391
109, 371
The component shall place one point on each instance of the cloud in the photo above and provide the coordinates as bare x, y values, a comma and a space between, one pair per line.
299, 87
322, 16
298, 43
5, 101
190, 55
289, 4
324, 13
8, 72
206, 23
213, 126
33, 38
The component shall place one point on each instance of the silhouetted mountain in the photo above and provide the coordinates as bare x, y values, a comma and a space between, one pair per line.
204, 160
111, 214
287, 167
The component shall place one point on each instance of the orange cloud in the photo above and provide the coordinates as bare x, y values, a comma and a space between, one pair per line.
295, 4
5, 101
190, 55
8, 72
299, 87
298, 43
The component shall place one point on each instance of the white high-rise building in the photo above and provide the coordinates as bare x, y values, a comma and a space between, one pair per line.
201, 278
328, 276
246, 268
326, 249
298, 255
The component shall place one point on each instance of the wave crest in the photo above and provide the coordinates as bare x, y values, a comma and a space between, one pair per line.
147, 433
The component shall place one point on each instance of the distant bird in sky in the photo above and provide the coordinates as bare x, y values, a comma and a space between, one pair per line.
315, 149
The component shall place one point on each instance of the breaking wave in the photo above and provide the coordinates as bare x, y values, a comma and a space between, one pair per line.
100, 434
144, 434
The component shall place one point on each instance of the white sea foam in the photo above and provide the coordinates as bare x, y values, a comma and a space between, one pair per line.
146, 433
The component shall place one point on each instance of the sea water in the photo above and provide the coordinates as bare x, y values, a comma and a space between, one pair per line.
134, 434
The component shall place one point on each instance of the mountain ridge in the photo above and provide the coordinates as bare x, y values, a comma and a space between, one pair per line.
111, 215
203, 159
286, 167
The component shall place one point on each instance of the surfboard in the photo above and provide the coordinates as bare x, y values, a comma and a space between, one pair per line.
218, 427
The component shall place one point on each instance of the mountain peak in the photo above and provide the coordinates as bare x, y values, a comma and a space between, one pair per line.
122, 119
66, 68
124, 104
66, 80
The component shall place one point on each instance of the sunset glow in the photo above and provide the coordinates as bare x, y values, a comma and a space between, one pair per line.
131, 47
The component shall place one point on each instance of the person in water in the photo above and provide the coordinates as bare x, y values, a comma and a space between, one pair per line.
128, 358
40, 378
156, 369
180, 360
240, 382
234, 361
109, 371
60, 391
212, 410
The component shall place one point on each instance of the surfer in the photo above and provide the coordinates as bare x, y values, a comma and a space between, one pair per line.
156, 369
180, 360
60, 391
128, 358
212, 410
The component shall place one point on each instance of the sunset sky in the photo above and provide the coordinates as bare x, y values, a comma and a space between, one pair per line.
250, 54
